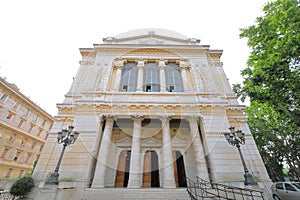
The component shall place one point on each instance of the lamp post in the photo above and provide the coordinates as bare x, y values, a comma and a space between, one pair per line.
67, 137
235, 138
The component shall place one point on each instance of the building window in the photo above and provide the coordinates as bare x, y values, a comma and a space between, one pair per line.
40, 132
8, 173
16, 106
151, 78
46, 136
173, 78
4, 152
20, 124
12, 138
26, 113
23, 143
21, 173
41, 148
17, 155
30, 129
3, 97
28, 157
8, 117
129, 77
44, 122
33, 145
36, 118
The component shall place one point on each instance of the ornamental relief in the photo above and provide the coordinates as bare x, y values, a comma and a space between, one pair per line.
86, 62
215, 63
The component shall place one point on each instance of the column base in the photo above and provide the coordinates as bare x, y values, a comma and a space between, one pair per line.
169, 184
134, 184
98, 184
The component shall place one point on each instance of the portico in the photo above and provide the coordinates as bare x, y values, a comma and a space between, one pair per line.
146, 151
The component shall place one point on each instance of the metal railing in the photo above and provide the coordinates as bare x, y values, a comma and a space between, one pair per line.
202, 189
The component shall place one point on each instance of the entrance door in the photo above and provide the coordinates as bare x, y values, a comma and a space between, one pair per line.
151, 170
179, 170
122, 174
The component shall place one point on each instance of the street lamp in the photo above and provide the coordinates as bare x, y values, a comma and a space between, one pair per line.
235, 138
67, 137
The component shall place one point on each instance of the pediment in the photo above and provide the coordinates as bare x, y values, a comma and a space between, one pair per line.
151, 142
124, 142
178, 142
151, 37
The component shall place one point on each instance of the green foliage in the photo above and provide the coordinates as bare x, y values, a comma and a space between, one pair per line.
22, 186
272, 82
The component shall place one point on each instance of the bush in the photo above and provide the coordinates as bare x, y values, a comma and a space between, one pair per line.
22, 186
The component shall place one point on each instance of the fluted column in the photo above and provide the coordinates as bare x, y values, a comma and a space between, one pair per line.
135, 173
162, 75
140, 78
201, 169
183, 66
168, 179
99, 178
119, 66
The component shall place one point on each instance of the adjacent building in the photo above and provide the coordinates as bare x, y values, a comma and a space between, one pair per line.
24, 128
151, 106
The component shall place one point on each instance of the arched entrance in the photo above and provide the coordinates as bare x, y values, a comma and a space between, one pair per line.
151, 171
122, 174
179, 170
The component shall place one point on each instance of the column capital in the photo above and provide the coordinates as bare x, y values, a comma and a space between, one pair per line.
109, 116
140, 63
137, 116
119, 62
193, 117
162, 64
165, 117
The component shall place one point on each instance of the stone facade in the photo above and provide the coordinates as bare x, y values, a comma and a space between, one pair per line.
151, 107
24, 128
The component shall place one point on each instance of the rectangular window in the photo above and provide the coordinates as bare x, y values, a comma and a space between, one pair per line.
40, 132
3, 97
33, 145
8, 117
4, 152
20, 124
17, 155
16, 106
8, 173
44, 122
30, 129
36, 118
21, 173
28, 157
26, 113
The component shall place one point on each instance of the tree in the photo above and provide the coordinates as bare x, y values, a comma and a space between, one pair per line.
272, 82
22, 186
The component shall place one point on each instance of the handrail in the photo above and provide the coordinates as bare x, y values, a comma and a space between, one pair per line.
202, 189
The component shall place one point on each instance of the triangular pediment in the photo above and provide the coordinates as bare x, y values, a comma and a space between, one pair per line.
151, 142
151, 37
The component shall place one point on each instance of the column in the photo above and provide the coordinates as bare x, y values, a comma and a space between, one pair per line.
201, 170
162, 75
140, 78
119, 66
168, 179
183, 66
135, 173
100, 171
94, 153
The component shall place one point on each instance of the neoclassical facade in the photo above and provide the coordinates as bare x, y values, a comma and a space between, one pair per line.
151, 107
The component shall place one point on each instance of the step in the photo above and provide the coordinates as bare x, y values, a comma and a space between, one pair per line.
124, 194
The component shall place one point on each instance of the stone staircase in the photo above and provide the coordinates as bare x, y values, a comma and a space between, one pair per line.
116, 194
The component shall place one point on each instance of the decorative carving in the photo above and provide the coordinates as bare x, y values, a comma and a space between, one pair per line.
86, 62
215, 63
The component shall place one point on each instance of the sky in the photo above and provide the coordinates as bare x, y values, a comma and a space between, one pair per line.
40, 40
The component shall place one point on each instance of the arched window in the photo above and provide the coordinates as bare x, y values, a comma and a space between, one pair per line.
129, 77
173, 78
151, 77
